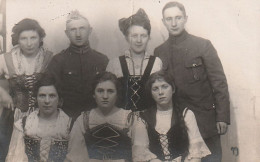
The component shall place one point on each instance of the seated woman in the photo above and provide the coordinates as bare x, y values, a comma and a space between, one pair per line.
166, 132
135, 66
103, 133
44, 134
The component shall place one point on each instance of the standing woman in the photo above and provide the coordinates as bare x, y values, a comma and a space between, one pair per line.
166, 132
22, 67
135, 66
102, 134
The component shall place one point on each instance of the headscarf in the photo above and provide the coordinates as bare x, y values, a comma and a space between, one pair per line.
140, 19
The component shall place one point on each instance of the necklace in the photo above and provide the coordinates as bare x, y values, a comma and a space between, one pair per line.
141, 68
22, 68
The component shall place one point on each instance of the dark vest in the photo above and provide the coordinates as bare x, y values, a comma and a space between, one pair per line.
58, 148
22, 87
134, 97
107, 142
178, 142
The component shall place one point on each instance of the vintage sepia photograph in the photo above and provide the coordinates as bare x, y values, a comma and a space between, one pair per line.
129, 81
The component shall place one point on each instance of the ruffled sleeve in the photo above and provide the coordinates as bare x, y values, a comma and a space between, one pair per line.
140, 149
77, 151
157, 66
3, 67
197, 148
115, 67
17, 147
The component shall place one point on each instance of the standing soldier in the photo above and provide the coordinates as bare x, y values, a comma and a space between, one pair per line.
199, 77
75, 67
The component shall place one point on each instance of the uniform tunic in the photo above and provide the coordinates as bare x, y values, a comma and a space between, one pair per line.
75, 69
199, 78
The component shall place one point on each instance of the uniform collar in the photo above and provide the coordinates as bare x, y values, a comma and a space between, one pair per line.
79, 49
128, 55
179, 38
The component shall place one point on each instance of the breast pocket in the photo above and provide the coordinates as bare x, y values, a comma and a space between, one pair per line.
195, 69
70, 77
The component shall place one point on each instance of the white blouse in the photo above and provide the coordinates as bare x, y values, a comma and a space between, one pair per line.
114, 65
163, 121
197, 147
21, 64
57, 130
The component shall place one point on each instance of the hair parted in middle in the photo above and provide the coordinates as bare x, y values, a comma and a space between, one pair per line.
108, 76
182, 144
159, 75
48, 80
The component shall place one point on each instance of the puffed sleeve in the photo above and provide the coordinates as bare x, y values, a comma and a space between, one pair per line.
3, 67
140, 149
114, 67
157, 66
197, 148
77, 151
17, 147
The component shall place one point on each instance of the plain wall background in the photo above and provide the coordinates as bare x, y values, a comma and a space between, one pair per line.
232, 26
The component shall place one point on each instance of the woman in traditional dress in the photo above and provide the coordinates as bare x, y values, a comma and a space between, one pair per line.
167, 132
22, 67
44, 134
135, 66
103, 133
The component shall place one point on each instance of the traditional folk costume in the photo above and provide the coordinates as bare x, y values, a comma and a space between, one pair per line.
161, 139
22, 77
99, 138
32, 141
134, 78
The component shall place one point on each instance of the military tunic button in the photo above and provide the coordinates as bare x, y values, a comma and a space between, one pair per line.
196, 77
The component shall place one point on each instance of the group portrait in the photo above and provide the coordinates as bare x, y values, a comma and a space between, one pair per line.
129, 81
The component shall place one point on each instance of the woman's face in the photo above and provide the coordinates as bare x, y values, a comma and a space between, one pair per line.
137, 38
29, 41
105, 95
48, 100
162, 93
